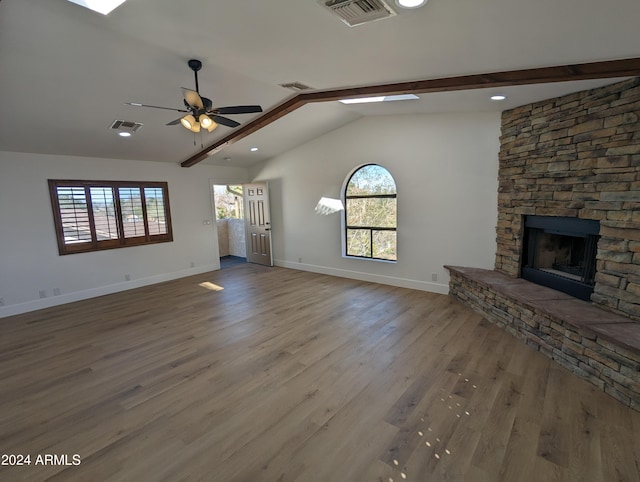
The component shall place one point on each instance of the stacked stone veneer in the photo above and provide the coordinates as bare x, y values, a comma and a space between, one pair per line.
593, 344
578, 156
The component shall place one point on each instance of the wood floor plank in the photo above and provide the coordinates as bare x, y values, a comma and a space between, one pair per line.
270, 374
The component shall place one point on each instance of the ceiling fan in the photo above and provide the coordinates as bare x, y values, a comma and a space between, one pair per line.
199, 111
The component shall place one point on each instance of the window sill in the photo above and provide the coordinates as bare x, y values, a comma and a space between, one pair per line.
379, 260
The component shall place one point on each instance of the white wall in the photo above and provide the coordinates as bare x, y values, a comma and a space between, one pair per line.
223, 237
237, 239
29, 260
445, 167
231, 237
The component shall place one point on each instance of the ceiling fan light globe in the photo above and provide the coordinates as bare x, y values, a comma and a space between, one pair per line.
196, 127
188, 121
212, 126
205, 121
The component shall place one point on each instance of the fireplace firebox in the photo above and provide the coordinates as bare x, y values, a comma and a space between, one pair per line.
560, 253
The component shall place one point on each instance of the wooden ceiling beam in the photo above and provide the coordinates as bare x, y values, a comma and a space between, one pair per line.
563, 73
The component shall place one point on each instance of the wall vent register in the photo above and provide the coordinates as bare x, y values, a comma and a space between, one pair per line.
358, 12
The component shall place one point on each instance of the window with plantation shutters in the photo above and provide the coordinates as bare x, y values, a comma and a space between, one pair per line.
96, 215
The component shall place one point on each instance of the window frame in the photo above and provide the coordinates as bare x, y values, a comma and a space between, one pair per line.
371, 229
121, 241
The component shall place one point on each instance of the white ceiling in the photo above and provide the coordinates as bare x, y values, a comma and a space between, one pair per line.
66, 72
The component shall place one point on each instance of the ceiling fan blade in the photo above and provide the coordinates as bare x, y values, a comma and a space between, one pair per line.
174, 122
192, 98
136, 104
208, 103
224, 120
238, 109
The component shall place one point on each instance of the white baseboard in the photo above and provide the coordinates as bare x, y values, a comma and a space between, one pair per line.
440, 288
39, 304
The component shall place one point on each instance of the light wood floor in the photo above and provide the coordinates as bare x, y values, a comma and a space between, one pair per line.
286, 375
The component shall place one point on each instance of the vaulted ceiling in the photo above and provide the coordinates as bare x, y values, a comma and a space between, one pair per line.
66, 73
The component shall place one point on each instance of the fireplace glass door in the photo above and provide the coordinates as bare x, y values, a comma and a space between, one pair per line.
561, 253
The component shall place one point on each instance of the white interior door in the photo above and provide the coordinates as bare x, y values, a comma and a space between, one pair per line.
258, 223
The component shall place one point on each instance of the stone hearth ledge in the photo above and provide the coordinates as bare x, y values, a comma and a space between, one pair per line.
598, 346
581, 314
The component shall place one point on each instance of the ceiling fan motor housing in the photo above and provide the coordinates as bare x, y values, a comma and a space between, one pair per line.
195, 65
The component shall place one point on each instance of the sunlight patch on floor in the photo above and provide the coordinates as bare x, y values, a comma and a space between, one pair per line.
211, 286
436, 447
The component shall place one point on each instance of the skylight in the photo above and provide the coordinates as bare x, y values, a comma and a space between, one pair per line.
383, 98
101, 6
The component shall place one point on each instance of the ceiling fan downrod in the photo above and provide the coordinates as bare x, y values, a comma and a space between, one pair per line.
195, 65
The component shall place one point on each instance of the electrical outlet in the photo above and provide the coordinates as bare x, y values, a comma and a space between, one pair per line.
127, 277
434, 276
1, 301
299, 260
56, 291
193, 265
42, 293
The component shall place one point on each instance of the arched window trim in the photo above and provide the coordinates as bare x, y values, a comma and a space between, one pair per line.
345, 227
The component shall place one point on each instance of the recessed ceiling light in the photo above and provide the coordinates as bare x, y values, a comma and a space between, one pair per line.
383, 98
498, 97
253, 149
101, 6
124, 134
410, 3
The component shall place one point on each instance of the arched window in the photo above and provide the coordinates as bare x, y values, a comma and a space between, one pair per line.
370, 215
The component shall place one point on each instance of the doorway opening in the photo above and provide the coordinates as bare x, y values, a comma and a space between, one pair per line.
229, 208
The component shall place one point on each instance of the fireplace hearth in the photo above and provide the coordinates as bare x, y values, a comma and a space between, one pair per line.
560, 253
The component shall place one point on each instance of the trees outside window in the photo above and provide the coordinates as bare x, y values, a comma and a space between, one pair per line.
371, 214
228, 200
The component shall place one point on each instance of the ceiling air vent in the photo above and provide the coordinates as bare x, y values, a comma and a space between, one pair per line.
295, 86
126, 126
357, 12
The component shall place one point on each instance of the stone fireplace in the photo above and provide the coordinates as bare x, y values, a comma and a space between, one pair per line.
569, 220
577, 156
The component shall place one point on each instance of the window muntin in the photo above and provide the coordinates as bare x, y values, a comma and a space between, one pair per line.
371, 214
96, 215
